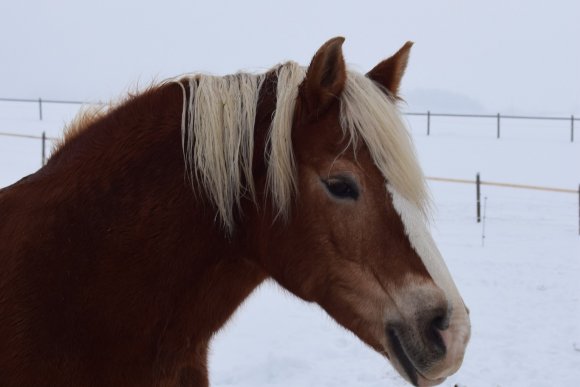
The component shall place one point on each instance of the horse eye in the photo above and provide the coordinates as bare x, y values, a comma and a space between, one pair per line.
342, 188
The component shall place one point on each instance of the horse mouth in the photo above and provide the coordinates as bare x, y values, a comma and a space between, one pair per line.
400, 355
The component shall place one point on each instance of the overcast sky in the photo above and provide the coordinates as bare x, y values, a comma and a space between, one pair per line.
510, 56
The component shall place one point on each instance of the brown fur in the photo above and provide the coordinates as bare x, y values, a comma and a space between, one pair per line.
84, 119
113, 273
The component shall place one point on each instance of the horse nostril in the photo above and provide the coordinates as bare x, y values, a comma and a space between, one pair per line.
440, 322
433, 334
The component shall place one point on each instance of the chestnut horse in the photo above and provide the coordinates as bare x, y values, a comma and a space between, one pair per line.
155, 219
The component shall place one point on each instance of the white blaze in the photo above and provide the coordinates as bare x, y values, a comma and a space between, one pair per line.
423, 243
457, 335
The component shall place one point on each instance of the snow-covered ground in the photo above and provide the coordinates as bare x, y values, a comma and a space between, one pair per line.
522, 286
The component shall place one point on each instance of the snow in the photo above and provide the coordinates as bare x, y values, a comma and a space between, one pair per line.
522, 286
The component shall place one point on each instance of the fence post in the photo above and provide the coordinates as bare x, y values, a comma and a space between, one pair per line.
428, 122
478, 197
43, 148
497, 125
40, 108
572, 128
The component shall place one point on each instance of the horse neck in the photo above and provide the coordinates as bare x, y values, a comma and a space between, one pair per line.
159, 246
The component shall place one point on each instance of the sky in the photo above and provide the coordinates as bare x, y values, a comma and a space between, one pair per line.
520, 56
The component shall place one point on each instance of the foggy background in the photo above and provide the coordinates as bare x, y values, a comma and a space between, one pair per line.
494, 56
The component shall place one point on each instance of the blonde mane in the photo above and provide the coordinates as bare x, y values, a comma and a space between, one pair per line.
218, 137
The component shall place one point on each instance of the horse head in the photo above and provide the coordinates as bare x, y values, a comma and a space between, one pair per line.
355, 237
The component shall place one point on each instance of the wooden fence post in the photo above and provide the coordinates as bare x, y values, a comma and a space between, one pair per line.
497, 125
428, 122
40, 108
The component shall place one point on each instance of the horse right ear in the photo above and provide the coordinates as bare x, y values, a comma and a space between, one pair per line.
389, 72
325, 77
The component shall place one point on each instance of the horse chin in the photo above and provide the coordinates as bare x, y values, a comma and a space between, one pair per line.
424, 382
414, 377
404, 365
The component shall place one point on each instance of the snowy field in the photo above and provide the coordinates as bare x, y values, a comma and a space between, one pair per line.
522, 286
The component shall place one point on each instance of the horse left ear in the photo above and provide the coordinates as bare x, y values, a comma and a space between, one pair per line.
389, 72
326, 76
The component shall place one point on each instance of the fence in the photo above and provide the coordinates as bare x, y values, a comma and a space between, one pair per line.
428, 115
497, 118
40, 104
478, 183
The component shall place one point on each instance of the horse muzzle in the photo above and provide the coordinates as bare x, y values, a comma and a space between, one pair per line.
428, 348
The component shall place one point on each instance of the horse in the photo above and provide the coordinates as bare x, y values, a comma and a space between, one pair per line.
156, 217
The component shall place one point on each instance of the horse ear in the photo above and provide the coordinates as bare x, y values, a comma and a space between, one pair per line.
325, 76
389, 72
